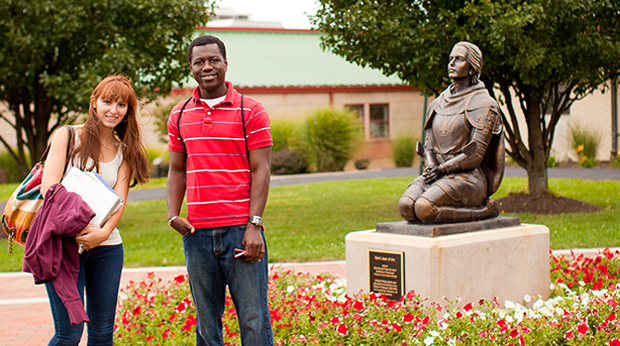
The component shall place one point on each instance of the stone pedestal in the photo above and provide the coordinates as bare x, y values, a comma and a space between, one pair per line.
506, 263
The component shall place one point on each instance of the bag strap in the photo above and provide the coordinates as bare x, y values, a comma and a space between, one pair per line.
245, 139
70, 146
247, 152
179, 122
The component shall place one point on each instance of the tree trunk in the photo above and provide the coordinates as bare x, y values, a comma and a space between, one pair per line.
537, 179
538, 154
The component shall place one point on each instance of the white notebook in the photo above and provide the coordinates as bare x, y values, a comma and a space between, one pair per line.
95, 192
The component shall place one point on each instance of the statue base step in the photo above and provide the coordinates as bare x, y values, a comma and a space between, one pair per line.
435, 230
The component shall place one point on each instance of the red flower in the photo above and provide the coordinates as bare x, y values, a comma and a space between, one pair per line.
359, 306
342, 329
459, 314
136, 310
426, 320
611, 317
180, 308
468, 307
503, 325
569, 335
167, 334
172, 317
179, 279
408, 318
582, 327
189, 323
514, 333
397, 328
148, 338
334, 320
614, 342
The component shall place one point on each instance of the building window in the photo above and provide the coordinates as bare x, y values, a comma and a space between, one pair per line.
359, 110
379, 121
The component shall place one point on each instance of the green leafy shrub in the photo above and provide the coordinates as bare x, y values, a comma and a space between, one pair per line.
552, 161
331, 137
289, 161
289, 154
158, 169
586, 144
161, 113
362, 164
285, 134
10, 170
615, 161
403, 150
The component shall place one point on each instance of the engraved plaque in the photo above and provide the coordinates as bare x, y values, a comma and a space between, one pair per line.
386, 273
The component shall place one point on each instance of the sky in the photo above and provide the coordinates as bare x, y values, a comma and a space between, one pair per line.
291, 13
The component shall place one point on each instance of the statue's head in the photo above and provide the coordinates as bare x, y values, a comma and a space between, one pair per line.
473, 57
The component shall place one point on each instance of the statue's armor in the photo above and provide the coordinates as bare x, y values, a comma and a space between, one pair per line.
448, 136
463, 138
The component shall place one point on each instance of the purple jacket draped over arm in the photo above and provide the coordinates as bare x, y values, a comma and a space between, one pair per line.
51, 253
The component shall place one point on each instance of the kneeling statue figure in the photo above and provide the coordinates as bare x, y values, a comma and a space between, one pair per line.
463, 152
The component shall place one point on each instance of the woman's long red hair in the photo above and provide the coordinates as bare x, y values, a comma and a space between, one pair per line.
115, 88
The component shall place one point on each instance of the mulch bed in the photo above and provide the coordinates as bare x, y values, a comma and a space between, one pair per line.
522, 203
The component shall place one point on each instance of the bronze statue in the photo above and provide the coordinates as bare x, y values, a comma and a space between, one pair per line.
464, 149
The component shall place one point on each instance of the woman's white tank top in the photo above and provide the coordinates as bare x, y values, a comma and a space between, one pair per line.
109, 173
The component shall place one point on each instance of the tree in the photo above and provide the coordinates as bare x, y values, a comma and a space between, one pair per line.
54, 52
548, 53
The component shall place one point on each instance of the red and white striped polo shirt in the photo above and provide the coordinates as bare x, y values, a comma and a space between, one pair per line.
218, 172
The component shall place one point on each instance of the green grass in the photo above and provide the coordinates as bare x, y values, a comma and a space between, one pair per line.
6, 190
309, 222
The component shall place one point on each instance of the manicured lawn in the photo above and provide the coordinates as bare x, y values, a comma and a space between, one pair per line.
308, 222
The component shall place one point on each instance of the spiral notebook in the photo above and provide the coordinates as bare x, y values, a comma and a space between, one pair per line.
95, 192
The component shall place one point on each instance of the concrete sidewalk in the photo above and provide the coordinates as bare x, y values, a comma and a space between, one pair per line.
26, 320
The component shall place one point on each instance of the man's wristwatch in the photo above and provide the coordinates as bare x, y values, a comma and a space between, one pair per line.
170, 220
256, 220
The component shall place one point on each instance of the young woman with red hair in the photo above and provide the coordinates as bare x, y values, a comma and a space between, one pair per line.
109, 143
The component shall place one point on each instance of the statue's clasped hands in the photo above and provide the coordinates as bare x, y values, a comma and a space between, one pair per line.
432, 173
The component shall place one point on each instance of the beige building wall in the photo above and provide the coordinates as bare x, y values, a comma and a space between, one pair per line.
406, 110
405, 114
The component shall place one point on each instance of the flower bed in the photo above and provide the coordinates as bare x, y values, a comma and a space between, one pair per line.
305, 309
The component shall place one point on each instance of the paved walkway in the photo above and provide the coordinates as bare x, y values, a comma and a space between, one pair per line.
279, 180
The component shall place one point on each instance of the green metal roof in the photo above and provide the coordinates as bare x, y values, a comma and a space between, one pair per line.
288, 58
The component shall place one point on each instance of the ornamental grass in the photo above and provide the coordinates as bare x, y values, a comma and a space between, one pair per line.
315, 310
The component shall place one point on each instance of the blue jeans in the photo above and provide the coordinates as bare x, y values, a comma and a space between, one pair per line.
100, 275
211, 266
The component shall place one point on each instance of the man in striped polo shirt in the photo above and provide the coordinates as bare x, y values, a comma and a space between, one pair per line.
223, 164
